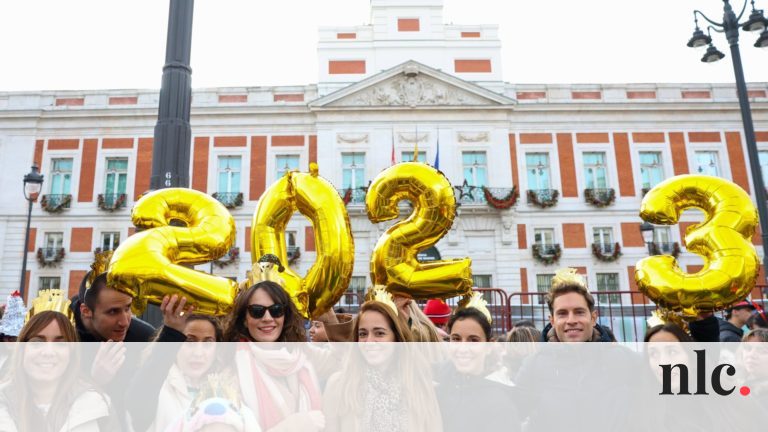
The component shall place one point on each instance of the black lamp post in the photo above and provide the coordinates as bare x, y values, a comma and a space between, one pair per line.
33, 184
730, 26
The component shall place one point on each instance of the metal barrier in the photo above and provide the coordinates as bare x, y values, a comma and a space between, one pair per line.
497, 306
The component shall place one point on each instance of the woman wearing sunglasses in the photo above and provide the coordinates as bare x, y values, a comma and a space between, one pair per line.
278, 382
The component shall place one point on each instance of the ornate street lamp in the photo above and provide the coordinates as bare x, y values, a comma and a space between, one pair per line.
730, 26
646, 230
33, 184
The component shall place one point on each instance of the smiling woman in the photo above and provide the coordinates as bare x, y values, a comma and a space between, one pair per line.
44, 390
383, 385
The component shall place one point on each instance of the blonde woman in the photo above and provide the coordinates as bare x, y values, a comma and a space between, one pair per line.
382, 386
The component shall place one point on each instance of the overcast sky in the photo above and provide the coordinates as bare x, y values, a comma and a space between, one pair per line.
97, 44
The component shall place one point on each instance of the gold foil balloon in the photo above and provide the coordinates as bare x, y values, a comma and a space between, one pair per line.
153, 263
317, 199
394, 262
723, 240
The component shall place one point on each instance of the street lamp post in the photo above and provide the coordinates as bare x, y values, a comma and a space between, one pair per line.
33, 183
730, 26
646, 230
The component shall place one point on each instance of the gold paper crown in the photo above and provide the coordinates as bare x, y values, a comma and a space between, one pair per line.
218, 385
568, 276
380, 294
51, 300
478, 302
268, 268
99, 265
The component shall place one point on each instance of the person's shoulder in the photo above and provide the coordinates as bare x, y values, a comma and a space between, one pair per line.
89, 406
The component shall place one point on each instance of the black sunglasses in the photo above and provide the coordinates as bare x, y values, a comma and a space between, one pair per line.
257, 311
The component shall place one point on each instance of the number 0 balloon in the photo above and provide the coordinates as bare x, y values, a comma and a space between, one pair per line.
314, 197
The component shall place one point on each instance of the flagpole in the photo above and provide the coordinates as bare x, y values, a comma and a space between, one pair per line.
416, 146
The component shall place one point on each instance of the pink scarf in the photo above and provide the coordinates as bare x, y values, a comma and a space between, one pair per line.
278, 363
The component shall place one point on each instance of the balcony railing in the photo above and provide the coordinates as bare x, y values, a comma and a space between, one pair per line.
49, 257
664, 248
467, 194
230, 200
112, 202
604, 248
56, 203
353, 195
232, 256
600, 197
542, 198
546, 253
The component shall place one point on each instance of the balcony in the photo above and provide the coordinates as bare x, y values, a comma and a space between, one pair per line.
232, 256
50, 256
467, 194
56, 203
230, 200
112, 202
599, 197
546, 253
664, 248
542, 198
354, 196
606, 252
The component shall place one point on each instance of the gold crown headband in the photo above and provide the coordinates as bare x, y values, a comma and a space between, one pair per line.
478, 302
380, 294
51, 300
99, 266
268, 268
568, 276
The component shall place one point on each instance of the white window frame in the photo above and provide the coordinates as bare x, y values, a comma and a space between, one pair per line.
229, 176
474, 173
111, 235
611, 175
549, 168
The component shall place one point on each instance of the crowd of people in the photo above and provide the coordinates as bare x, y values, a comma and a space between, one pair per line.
265, 382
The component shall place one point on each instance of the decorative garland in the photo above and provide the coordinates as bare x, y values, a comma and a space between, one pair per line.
234, 256
501, 203
347, 198
58, 208
547, 259
533, 198
116, 204
598, 253
238, 201
597, 200
49, 262
655, 250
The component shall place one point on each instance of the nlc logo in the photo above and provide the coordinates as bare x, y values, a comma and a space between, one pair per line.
701, 378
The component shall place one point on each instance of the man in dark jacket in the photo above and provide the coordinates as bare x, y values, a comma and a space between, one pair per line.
103, 314
735, 318
562, 382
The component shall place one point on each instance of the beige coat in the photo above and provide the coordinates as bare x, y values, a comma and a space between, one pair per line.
336, 420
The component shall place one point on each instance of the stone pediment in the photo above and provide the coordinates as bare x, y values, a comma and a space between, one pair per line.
411, 85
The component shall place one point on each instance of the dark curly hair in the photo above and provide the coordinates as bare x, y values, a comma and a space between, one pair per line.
235, 328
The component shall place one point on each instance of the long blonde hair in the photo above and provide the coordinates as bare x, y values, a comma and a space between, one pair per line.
418, 392
421, 326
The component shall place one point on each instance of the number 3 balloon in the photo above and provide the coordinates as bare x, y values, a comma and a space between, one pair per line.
723, 240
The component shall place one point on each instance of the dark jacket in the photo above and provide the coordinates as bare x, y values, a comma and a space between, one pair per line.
729, 332
138, 330
559, 386
474, 403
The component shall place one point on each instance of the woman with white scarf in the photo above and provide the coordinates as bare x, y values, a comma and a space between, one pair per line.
278, 382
